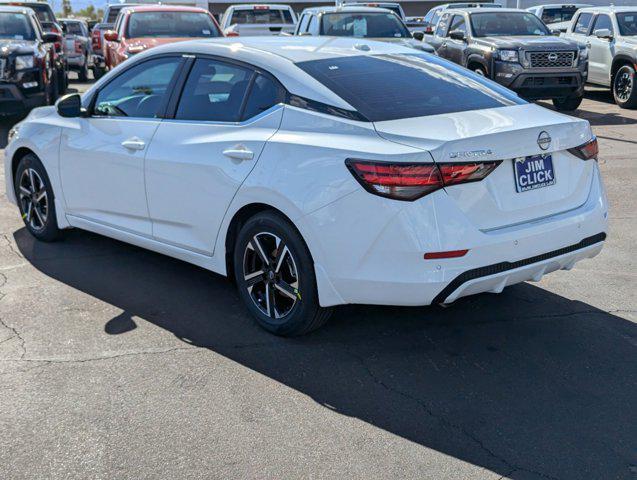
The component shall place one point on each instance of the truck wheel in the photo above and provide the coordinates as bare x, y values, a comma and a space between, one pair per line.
98, 72
567, 104
83, 73
480, 71
52, 90
624, 89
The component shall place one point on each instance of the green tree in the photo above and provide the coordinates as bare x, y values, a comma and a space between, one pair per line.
67, 9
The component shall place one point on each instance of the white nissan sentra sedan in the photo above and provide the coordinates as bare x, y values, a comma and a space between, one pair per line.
315, 172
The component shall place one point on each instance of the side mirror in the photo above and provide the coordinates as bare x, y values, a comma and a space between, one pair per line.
51, 37
111, 36
69, 106
418, 36
457, 35
603, 33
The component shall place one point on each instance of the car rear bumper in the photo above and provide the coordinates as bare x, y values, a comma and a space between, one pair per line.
14, 102
389, 268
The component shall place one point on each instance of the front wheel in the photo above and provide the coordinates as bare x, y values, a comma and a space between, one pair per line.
624, 89
567, 104
83, 73
35, 199
274, 273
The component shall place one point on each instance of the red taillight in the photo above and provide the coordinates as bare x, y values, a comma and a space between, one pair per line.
96, 40
410, 181
447, 254
78, 46
586, 151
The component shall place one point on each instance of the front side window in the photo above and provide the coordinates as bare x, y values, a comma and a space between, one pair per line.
394, 86
603, 22
261, 14
458, 23
500, 24
364, 25
214, 92
171, 24
582, 24
627, 22
15, 26
139, 91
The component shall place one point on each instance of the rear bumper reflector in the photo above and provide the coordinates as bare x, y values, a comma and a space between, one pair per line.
448, 254
504, 266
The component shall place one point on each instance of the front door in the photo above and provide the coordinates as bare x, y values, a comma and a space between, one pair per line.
600, 56
456, 48
198, 160
102, 155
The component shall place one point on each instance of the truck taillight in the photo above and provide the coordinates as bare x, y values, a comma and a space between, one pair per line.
78, 46
410, 181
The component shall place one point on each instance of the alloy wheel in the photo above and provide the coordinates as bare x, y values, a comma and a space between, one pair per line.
271, 276
624, 86
34, 201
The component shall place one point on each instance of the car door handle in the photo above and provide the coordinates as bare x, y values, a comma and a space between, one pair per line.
588, 44
444, 44
239, 152
134, 144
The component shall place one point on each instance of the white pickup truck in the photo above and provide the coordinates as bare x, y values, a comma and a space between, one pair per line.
258, 20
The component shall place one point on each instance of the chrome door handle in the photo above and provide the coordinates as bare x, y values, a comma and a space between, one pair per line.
239, 152
588, 44
444, 44
134, 144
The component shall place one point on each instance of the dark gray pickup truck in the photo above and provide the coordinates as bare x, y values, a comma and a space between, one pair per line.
516, 49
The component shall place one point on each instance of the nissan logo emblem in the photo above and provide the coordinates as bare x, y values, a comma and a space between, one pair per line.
544, 140
552, 57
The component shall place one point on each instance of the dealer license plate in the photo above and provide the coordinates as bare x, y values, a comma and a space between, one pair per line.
533, 172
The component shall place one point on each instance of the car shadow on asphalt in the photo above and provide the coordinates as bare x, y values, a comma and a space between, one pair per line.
528, 384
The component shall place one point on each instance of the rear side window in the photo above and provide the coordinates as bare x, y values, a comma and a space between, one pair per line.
261, 15
390, 87
265, 93
583, 21
441, 28
303, 23
112, 14
558, 14
214, 92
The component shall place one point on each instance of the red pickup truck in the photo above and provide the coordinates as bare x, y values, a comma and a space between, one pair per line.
141, 27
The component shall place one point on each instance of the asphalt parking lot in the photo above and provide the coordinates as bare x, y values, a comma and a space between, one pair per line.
118, 363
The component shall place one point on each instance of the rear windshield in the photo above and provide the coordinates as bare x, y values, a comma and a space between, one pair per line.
364, 25
491, 24
171, 24
73, 28
627, 22
261, 15
394, 86
558, 14
43, 12
15, 26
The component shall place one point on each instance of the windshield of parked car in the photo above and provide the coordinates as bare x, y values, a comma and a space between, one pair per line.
492, 24
261, 14
15, 26
627, 22
394, 86
73, 28
171, 24
364, 25
558, 14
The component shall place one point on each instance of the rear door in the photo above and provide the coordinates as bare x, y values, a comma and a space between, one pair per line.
199, 158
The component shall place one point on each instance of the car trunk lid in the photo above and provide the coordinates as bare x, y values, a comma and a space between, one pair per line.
506, 134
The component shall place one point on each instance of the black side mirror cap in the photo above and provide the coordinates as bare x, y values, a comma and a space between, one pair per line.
457, 35
51, 37
69, 106
418, 36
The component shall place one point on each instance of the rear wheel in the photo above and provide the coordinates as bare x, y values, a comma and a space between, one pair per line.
98, 72
567, 104
35, 199
624, 89
479, 70
274, 273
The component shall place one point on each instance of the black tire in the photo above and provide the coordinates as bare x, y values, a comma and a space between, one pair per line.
567, 104
98, 72
298, 310
479, 70
62, 81
624, 88
52, 91
83, 73
41, 220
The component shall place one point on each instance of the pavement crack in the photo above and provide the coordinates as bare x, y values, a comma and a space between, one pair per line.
9, 243
424, 406
16, 333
